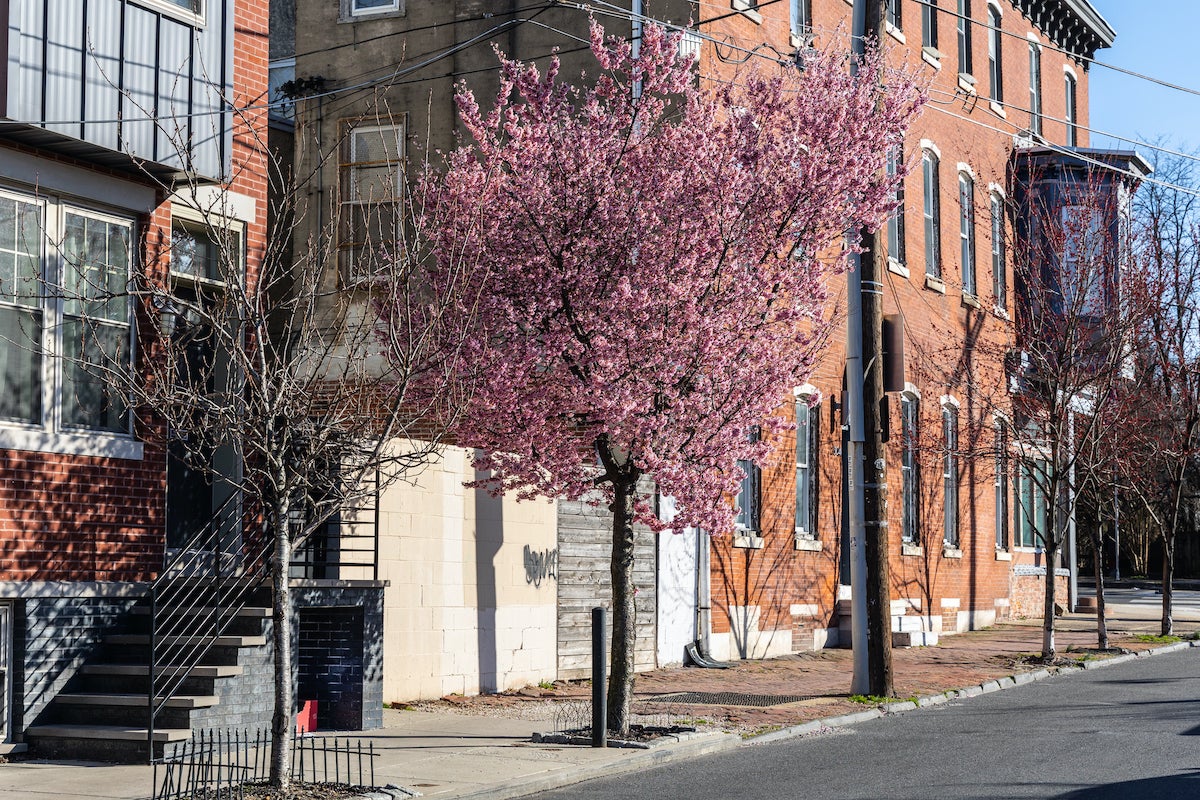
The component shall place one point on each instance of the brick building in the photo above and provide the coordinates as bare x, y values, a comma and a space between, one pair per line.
118, 139
1003, 77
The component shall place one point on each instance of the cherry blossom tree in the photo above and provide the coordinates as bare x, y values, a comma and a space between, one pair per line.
655, 254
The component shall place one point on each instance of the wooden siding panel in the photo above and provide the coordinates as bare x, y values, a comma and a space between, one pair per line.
102, 98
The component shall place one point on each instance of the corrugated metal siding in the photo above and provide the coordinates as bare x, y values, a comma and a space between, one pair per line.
93, 62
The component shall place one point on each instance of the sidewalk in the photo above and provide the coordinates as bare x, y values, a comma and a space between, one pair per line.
480, 747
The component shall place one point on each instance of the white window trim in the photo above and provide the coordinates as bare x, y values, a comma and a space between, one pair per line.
965, 167
804, 394
997, 6
396, 7
1068, 69
50, 435
927, 144
166, 8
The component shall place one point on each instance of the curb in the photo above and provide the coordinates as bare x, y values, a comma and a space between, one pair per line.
702, 745
829, 724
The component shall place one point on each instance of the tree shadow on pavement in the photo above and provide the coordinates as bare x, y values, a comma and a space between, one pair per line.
1182, 785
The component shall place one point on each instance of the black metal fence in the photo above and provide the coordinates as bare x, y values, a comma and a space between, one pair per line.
220, 765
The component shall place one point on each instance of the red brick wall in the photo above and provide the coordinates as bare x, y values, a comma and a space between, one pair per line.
952, 347
66, 517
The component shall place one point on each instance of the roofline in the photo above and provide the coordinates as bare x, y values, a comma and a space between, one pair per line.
1091, 17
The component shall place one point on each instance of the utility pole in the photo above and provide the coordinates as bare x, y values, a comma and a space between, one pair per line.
868, 458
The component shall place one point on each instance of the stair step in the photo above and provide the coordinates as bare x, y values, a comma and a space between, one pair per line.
108, 732
220, 641
179, 701
200, 671
257, 612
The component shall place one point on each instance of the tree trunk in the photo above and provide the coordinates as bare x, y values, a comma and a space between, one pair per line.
624, 613
281, 634
1048, 648
1168, 576
1101, 623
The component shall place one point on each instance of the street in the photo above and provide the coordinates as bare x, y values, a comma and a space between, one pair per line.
1125, 731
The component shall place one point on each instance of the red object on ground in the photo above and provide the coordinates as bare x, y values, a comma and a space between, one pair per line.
306, 720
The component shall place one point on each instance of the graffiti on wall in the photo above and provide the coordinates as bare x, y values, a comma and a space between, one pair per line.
540, 565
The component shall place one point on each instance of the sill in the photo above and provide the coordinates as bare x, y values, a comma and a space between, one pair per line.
969, 299
997, 109
348, 15
932, 57
1003, 555
895, 33
934, 283
747, 11
1030, 550
911, 549
897, 267
966, 82
96, 445
750, 540
950, 551
805, 542
1001, 312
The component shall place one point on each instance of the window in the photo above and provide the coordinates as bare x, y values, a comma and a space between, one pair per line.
60, 349
966, 231
932, 212
995, 56
364, 7
999, 272
1072, 109
892, 14
910, 474
1032, 509
895, 222
807, 437
1001, 486
964, 36
950, 473
749, 496
801, 18
1084, 264
1035, 89
929, 20
372, 180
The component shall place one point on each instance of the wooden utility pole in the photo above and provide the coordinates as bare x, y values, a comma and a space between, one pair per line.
873, 262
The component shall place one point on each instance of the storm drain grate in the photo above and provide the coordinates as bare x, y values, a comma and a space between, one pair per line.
729, 698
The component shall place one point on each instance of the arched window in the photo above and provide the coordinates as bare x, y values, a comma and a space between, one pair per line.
966, 231
999, 270
964, 37
1072, 134
910, 471
932, 213
1002, 514
1035, 89
808, 420
895, 222
995, 56
950, 472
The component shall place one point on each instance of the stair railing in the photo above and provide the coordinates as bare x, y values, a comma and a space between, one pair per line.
200, 591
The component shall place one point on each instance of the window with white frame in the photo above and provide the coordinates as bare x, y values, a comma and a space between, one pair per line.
892, 14
995, 56
1002, 485
1071, 110
807, 435
372, 183
1035, 89
1032, 509
999, 271
749, 497
964, 37
64, 350
966, 231
932, 214
895, 221
910, 473
801, 18
950, 472
361, 8
929, 22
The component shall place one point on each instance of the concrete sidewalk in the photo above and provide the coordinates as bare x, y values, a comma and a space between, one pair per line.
481, 747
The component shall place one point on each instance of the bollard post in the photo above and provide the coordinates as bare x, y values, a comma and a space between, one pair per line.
599, 681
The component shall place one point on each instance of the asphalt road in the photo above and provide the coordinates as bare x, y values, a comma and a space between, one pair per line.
1128, 731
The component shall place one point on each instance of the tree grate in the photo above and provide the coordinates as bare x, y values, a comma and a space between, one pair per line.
729, 698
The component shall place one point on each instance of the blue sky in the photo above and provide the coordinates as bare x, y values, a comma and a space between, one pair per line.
1155, 38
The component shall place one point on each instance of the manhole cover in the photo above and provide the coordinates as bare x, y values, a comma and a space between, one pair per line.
729, 698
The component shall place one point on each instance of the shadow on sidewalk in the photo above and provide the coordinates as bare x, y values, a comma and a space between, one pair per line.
1187, 785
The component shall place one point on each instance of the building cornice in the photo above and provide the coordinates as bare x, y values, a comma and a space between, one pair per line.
1072, 25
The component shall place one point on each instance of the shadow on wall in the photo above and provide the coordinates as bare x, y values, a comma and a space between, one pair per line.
489, 538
